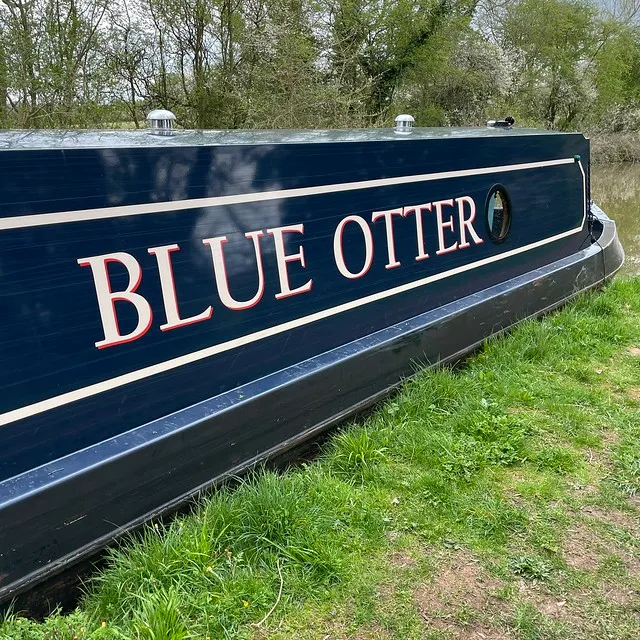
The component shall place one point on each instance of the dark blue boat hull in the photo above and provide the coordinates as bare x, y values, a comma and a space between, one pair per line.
100, 433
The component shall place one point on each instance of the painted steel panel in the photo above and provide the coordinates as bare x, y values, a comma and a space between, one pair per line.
50, 322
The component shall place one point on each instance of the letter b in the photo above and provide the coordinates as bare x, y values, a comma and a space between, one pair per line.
107, 297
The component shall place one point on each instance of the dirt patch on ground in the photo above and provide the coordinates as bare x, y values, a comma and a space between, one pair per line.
461, 586
602, 455
581, 549
584, 491
616, 517
634, 351
516, 498
632, 564
472, 631
621, 596
568, 607
634, 500
482, 632
374, 633
633, 393
555, 608
461, 582
552, 607
401, 559
610, 438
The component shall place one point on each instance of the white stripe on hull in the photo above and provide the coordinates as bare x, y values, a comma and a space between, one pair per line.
174, 363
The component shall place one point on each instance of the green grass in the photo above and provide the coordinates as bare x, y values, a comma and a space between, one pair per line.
497, 498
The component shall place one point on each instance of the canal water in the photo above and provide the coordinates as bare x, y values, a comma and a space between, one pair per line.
615, 188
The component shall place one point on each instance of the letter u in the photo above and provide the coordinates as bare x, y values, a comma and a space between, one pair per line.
220, 271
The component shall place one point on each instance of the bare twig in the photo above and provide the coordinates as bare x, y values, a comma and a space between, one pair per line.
259, 624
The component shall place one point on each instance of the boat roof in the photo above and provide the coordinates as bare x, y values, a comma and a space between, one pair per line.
102, 138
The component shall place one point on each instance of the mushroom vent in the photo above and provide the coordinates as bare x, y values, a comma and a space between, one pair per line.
404, 123
161, 122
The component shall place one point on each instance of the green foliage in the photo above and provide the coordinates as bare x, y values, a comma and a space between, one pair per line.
558, 459
530, 567
549, 42
355, 452
321, 64
158, 617
74, 626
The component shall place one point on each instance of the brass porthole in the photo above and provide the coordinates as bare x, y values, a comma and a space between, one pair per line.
498, 214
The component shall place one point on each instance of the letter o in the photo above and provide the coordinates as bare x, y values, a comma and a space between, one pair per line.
368, 245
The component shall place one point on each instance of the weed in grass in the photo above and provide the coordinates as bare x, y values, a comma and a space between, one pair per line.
73, 626
7, 616
355, 452
530, 567
459, 456
434, 490
158, 617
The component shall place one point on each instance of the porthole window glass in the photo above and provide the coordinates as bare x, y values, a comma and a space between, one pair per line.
498, 214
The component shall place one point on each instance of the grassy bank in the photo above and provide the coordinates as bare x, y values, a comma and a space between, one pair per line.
615, 147
499, 500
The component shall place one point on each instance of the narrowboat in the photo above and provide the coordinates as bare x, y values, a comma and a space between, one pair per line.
179, 305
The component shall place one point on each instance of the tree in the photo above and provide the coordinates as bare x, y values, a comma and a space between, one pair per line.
375, 45
548, 42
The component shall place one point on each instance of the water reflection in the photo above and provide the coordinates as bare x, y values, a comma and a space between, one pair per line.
616, 189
